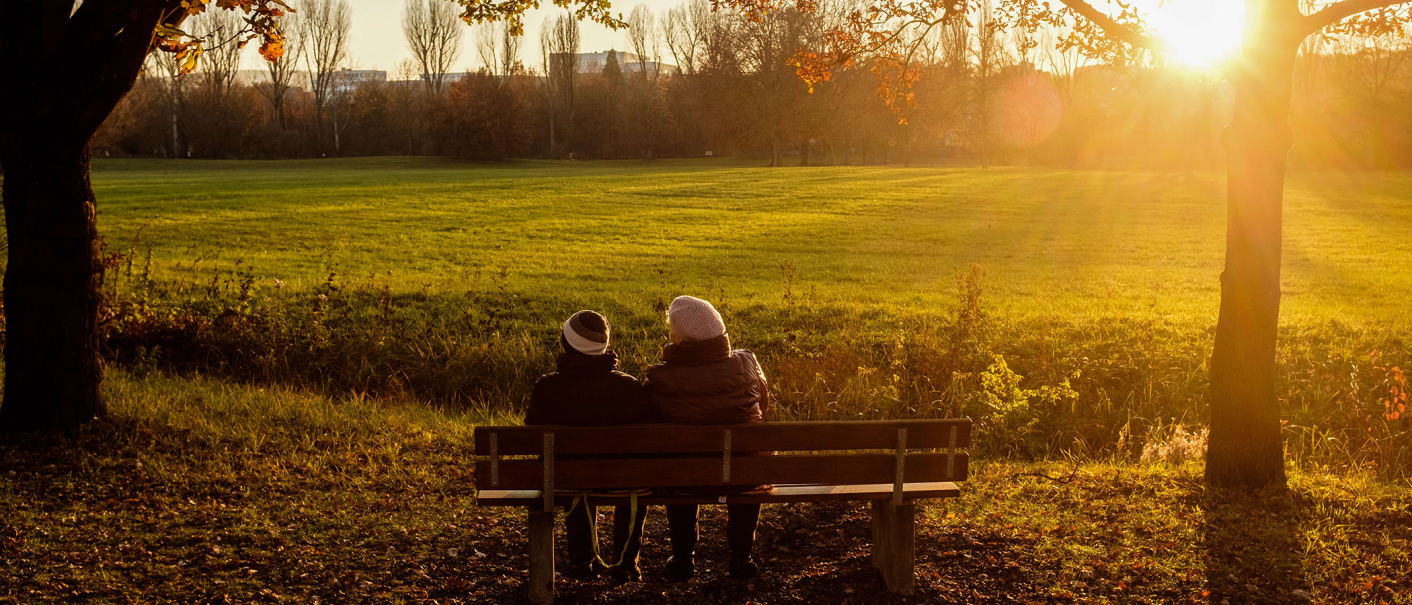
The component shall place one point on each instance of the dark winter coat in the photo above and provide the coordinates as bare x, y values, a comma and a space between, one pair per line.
587, 390
705, 382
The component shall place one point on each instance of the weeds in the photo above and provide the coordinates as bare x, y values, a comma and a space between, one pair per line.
1180, 446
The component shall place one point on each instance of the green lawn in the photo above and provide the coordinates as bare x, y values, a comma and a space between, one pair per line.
1053, 242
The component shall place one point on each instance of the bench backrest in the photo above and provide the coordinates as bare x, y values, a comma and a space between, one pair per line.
636, 456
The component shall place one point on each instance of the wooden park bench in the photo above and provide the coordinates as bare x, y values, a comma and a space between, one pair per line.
541, 467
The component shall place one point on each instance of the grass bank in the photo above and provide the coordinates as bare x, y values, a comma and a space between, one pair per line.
198, 490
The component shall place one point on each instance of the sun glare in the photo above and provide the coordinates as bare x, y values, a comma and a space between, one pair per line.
1203, 32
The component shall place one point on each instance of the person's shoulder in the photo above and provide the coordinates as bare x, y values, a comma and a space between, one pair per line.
745, 354
750, 362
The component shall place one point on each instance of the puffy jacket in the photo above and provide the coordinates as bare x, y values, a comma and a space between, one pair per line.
589, 391
705, 382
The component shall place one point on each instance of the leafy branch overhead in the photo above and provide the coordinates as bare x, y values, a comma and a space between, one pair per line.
890, 31
261, 23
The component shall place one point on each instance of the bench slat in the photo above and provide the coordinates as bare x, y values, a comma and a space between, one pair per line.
763, 436
622, 473
781, 494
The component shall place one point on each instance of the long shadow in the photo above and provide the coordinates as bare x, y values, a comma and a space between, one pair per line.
1252, 547
820, 553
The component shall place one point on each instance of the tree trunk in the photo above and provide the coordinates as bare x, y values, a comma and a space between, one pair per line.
176, 139
53, 372
54, 98
1245, 448
907, 146
804, 151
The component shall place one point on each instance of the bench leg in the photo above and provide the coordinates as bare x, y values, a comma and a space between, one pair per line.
541, 557
894, 540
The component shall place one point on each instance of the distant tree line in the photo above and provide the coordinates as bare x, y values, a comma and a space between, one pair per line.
692, 81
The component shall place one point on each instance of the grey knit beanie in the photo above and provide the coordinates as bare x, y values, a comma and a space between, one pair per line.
587, 332
695, 319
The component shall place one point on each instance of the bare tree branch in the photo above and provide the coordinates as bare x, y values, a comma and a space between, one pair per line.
509, 51
221, 62
1118, 30
283, 71
684, 35
642, 37
324, 28
488, 45
433, 33
1339, 11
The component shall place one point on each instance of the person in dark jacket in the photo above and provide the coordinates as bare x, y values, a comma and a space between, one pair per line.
701, 380
587, 390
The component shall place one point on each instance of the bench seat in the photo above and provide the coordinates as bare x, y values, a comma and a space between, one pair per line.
782, 494
890, 464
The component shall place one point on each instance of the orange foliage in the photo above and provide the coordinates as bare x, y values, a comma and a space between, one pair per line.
261, 22
1395, 403
878, 31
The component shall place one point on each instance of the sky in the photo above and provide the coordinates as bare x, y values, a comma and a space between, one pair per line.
377, 41
1198, 26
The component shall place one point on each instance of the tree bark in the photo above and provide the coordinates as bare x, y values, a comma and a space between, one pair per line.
64, 70
907, 146
1244, 448
53, 371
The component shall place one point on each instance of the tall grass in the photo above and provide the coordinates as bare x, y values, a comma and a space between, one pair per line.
1037, 386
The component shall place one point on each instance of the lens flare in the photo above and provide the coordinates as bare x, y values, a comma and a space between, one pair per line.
1202, 32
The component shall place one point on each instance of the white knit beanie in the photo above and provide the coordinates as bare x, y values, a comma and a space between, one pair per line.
695, 319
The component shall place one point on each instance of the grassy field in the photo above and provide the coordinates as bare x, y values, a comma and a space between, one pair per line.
201, 491
621, 234
868, 292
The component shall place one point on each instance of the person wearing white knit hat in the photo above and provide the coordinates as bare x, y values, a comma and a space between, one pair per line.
691, 318
701, 380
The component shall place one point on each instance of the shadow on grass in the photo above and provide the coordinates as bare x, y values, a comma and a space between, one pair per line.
1252, 547
817, 553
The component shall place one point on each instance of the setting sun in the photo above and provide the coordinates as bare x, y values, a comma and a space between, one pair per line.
1203, 32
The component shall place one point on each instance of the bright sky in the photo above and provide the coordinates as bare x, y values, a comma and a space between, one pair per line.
1203, 30
377, 41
